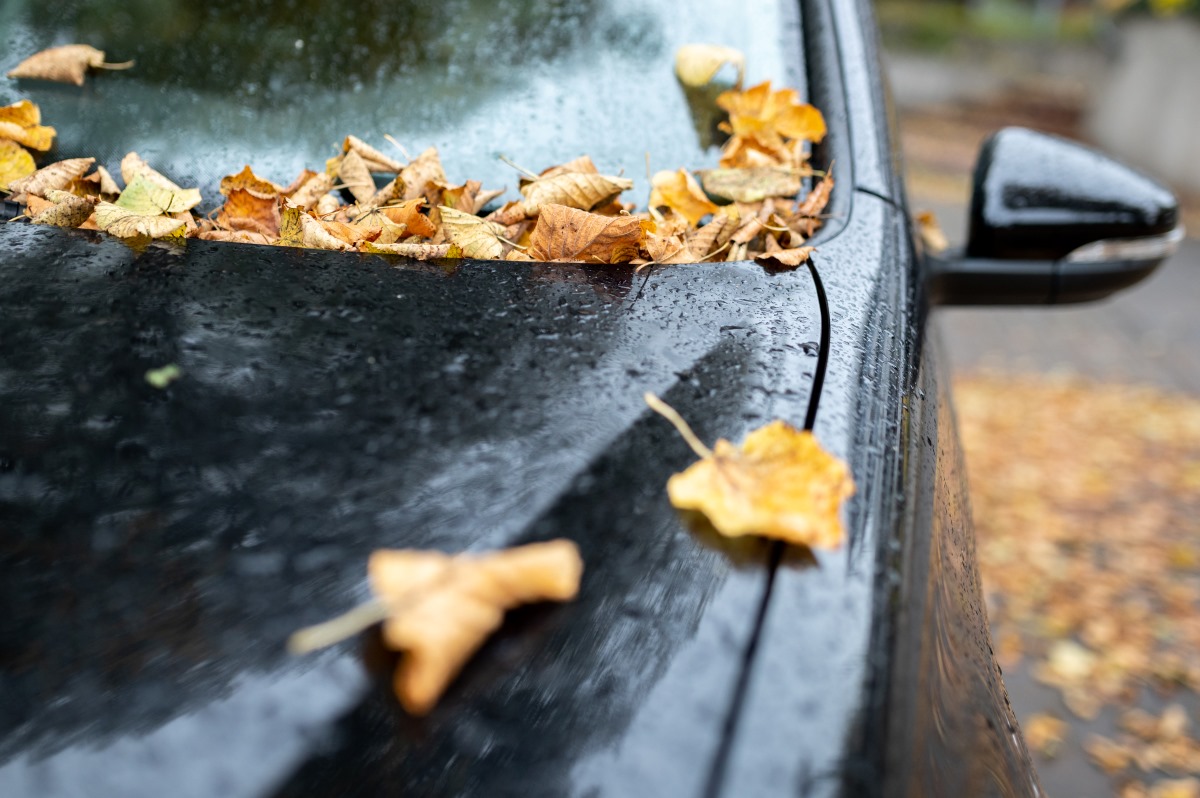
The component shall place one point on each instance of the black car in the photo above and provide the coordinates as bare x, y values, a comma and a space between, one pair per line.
160, 544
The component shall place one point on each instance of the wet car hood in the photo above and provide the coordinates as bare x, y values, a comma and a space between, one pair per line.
162, 543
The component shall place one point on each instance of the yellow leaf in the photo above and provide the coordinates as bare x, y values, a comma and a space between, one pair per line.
133, 167
413, 250
250, 182
426, 168
439, 609
569, 234
15, 163
750, 185
375, 160
68, 210
125, 223
298, 229
579, 190
66, 64
144, 197
680, 192
58, 175
476, 237
408, 213
930, 232
778, 484
21, 122
697, 64
352, 172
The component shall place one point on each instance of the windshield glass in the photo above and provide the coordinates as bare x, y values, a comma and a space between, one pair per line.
279, 83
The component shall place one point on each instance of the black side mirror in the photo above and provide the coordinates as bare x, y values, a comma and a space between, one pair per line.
1054, 222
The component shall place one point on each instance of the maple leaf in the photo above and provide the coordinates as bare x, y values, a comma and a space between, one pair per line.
476, 237
66, 210
149, 199
66, 64
439, 609
21, 122
697, 64
778, 484
750, 185
375, 160
58, 175
680, 192
569, 234
580, 190
125, 223
15, 163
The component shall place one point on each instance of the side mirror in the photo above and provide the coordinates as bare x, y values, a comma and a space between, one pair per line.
1053, 222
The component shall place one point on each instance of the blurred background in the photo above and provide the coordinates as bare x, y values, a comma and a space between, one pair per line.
1081, 424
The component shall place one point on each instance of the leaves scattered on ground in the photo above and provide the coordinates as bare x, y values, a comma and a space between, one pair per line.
365, 200
779, 483
1086, 499
438, 609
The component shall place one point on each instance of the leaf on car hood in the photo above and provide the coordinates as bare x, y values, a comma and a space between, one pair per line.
248, 181
15, 163
66, 64
21, 122
67, 210
580, 190
569, 234
126, 223
439, 609
476, 237
680, 192
750, 185
58, 175
245, 210
697, 64
149, 199
779, 483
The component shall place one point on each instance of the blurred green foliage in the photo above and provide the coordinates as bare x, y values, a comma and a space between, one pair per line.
942, 25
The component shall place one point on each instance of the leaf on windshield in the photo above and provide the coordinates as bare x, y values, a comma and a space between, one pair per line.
779, 483
697, 64
58, 175
126, 223
569, 234
15, 163
21, 122
750, 185
438, 609
580, 190
680, 192
66, 64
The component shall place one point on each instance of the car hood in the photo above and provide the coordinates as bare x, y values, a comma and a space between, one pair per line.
163, 542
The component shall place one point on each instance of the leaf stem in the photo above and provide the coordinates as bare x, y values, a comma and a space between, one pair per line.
335, 630
670, 414
518, 167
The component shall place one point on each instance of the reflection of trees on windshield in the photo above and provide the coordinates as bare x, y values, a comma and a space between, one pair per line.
278, 46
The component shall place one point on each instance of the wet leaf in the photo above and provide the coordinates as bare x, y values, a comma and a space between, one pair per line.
15, 163
245, 210
68, 210
124, 223
786, 258
767, 117
750, 185
415, 250
21, 122
66, 64
476, 237
778, 484
246, 180
298, 229
579, 190
58, 175
439, 609
697, 64
680, 192
569, 234
150, 199
375, 160
814, 204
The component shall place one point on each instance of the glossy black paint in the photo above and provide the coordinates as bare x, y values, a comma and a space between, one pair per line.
164, 543
1040, 196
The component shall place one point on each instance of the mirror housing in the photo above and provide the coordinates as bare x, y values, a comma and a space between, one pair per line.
1053, 221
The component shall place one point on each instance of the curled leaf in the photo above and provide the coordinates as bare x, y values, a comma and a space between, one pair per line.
375, 160
21, 122
579, 190
356, 177
750, 185
414, 250
58, 175
697, 64
476, 237
786, 258
308, 188
778, 484
680, 192
68, 210
66, 64
15, 163
569, 234
125, 223
426, 168
298, 229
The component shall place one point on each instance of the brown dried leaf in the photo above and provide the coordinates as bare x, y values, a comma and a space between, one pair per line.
375, 160
569, 234
308, 188
247, 181
68, 210
66, 64
236, 236
814, 204
785, 258
426, 168
413, 250
750, 185
778, 484
21, 122
124, 223
352, 172
58, 175
476, 237
15, 163
408, 213
298, 229
680, 192
247, 211
580, 190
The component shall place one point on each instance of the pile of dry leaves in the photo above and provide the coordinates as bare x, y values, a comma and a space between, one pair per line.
365, 200
1087, 504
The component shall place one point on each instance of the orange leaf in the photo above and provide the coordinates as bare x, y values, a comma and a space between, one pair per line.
245, 210
569, 234
21, 122
680, 192
248, 181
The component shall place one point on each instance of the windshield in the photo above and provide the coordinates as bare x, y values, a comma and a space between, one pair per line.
279, 83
